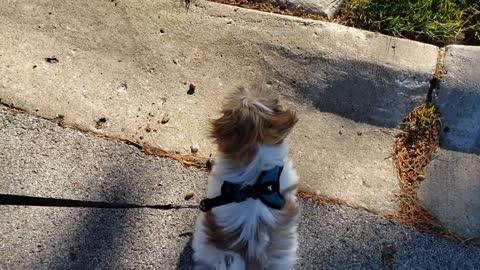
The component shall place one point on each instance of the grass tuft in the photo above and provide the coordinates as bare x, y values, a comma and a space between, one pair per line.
438, 22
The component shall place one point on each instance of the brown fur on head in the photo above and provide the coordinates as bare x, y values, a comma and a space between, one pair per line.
250, 119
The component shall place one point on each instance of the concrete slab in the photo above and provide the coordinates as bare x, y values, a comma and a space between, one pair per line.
459, 99
43, 159
452, 188
124, 69
328, 8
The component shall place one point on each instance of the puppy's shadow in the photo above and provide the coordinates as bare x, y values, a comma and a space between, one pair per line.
185, 260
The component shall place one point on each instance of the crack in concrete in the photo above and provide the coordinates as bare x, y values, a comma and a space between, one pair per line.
437, 76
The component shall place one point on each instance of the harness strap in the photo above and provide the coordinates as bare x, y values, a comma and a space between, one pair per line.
266, 188
230, 193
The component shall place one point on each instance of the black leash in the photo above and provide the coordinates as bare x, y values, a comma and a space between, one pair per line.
8, 199
21, 200
266, 189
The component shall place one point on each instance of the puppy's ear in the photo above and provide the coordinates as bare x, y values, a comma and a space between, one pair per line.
280, 125
236, 133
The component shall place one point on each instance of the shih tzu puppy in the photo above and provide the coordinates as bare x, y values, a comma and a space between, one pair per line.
249, 220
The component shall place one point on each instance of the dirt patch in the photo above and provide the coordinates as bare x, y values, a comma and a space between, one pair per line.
330, 201
186, 160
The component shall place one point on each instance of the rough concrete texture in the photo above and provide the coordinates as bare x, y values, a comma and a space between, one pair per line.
327, 8
458, 99
125, 67
452, 190
38, 159
41, 158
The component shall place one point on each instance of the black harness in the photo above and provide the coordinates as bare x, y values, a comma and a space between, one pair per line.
266, 189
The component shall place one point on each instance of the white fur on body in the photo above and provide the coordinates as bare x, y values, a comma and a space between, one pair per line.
245, 216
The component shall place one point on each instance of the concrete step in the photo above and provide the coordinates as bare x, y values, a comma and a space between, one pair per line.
123, 69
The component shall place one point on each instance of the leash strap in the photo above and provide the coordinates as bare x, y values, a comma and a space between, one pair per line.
7, 199
266, 189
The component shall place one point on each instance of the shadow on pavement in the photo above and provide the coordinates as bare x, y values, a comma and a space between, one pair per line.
185, 260
358, 90
98, 240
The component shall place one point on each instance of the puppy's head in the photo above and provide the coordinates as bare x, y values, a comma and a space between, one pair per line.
250, 119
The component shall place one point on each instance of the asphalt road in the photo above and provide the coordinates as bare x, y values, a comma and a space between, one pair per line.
38, 157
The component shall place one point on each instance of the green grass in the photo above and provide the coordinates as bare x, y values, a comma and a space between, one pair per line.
438, 22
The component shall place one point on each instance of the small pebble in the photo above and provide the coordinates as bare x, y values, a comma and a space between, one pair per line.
51, 60
359, 133
189, 196
194, 148
122, 87
165, 118
191, 89
100, 123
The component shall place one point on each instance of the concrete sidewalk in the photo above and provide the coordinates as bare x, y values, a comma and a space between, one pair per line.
123, 69
452, 188
41, 158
